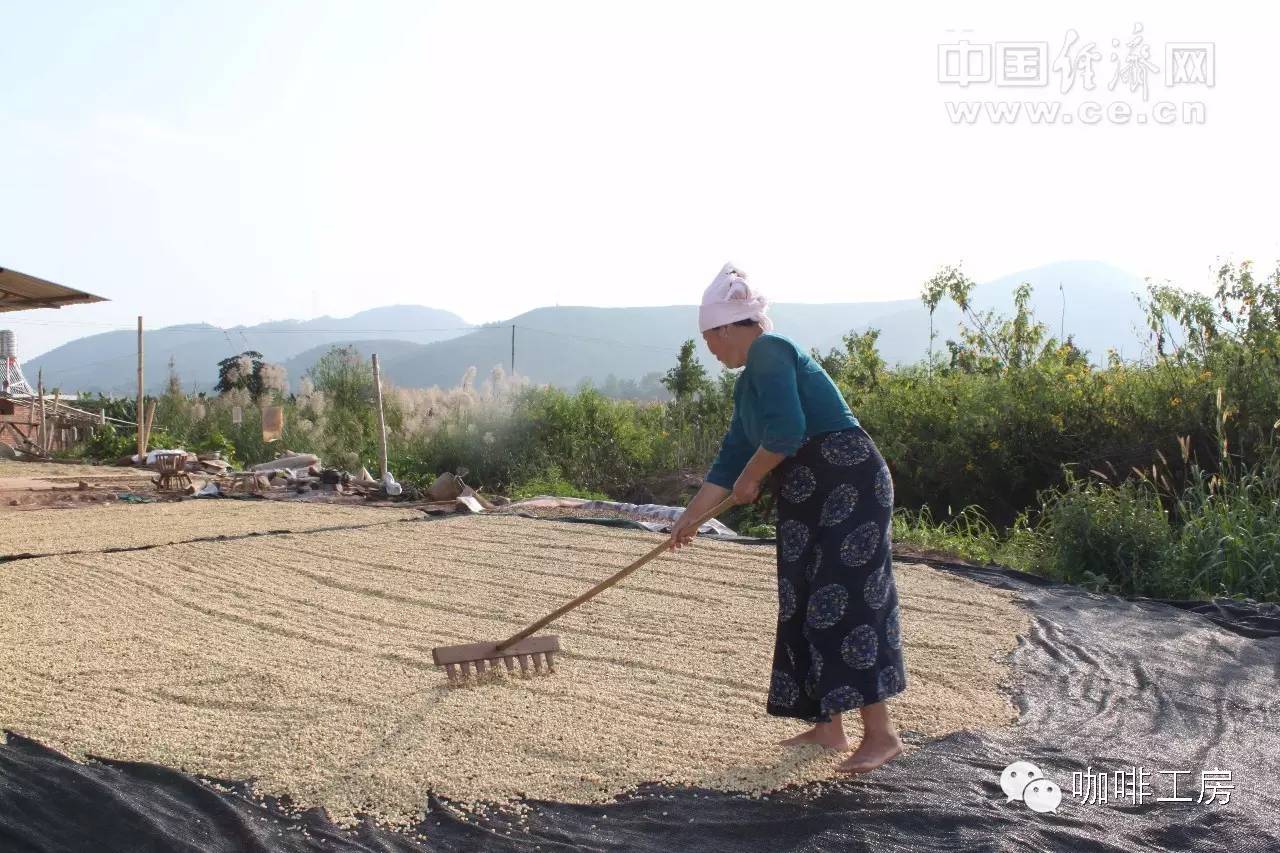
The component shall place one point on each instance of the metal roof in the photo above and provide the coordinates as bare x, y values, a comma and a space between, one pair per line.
19, 292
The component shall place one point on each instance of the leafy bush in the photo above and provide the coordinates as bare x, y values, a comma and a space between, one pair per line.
1110, 538
552, 483
109, 443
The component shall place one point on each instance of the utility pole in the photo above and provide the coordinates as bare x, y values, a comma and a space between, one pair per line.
142, 448
1062, 324
513, 349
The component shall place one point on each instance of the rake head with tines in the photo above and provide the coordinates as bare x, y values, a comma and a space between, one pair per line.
535, 654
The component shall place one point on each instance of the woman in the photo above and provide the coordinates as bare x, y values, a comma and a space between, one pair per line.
839, 639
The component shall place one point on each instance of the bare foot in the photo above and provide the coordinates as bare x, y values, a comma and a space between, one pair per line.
828, 737
874, 751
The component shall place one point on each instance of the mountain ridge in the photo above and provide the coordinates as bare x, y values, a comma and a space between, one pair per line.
565, 345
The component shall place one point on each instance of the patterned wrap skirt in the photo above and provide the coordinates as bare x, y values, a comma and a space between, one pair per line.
839, 644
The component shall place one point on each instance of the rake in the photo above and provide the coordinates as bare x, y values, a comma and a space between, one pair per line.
537, 654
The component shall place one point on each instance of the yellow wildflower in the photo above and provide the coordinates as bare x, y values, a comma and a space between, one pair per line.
1175, 401
995, 444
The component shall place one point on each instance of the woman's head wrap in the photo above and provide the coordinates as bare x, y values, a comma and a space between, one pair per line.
730, 299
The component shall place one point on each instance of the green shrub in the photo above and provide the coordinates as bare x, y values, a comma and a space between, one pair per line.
1109, 538
1228, 536
552, 483
109, 443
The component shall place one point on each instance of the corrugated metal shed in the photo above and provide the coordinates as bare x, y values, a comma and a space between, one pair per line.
19, 292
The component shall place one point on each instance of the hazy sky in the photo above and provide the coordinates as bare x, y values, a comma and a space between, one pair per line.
236, 162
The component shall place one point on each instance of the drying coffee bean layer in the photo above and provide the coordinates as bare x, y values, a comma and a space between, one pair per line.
304, 662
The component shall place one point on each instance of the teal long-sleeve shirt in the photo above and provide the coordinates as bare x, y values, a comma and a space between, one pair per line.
782, 398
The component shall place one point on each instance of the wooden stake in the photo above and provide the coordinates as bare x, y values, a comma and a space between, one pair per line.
31, 403
142, 438
382, 423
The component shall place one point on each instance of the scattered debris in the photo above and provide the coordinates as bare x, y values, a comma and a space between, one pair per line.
447, 487
153, 454
390, 486
291, 462
468, 504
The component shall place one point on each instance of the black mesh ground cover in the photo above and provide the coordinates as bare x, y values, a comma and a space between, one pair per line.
1102, 683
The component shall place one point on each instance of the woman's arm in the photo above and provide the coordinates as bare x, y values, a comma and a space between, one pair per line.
747, 487
683, 531
746, 490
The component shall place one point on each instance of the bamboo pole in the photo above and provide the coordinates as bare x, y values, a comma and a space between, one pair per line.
57, 398
382, 422
142, 438
40, 441
146, 437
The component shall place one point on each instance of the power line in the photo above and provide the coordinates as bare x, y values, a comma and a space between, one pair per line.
219, 330
503, 327
610, 341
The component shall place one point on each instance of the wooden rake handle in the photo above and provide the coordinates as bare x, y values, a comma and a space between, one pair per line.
609, 581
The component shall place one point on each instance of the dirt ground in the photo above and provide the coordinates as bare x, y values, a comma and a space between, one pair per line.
26, 486
11, 468
303, 661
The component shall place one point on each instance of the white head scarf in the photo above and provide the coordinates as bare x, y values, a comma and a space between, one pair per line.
729, 299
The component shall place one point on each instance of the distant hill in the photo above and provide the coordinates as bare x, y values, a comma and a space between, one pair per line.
563, 346
386, 349
107, 362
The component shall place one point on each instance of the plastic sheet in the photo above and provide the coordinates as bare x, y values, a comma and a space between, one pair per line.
1102, 684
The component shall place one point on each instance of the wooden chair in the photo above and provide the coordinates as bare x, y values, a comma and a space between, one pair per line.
172, 468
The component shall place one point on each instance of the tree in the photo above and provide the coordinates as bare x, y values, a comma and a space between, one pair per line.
688, 377
241, 371
859, 365
988, 343
344, 379
249, 372
174, 387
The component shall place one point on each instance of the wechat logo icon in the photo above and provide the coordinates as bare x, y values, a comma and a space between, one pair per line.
1025, 782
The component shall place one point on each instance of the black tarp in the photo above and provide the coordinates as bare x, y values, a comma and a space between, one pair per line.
1101, 683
